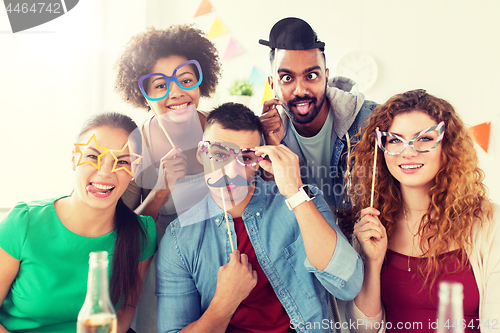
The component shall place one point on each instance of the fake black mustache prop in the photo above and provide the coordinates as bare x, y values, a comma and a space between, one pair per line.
225, 181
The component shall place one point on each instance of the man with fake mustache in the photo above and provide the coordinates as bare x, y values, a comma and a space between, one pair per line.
318, 115
289, 254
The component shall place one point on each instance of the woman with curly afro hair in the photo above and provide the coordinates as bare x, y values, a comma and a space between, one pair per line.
164, 52
167, 71
431, 221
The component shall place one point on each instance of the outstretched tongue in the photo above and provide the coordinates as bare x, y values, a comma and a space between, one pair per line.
92, 189
302, 108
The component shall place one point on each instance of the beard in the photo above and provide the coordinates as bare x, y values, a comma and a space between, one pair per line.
311, 115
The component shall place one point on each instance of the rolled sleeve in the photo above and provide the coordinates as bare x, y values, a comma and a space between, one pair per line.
343, 276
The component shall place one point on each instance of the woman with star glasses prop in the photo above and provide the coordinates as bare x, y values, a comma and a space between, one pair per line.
431, 219
129, 161
45, 245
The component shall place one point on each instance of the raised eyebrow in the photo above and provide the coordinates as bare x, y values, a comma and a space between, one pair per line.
401, 135
94, 149
158, 78
123, 156
311, 69
219, 146
284, 70
186, 72
307, 70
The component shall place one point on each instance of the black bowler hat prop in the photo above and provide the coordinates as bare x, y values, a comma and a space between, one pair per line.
292, 33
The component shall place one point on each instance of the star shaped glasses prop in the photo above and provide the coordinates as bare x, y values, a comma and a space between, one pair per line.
117, 160
226, 152
78, 150
423, 142
128, 167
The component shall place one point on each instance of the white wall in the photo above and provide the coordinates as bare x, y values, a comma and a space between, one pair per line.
55, 75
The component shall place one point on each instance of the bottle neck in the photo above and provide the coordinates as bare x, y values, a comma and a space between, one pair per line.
450, 312
97, 285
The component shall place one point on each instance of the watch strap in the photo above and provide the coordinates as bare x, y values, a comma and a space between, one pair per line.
298, 198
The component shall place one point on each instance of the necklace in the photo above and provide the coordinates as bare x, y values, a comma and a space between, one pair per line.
407, 226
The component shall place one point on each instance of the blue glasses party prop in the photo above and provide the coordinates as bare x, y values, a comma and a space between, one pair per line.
187, 76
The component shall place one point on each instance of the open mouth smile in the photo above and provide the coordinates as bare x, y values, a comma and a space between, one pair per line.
100, 190
181, 108
411, 166
177, 107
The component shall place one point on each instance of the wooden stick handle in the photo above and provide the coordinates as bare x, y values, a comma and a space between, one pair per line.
374, 171
223, 204
275, 73
161, 125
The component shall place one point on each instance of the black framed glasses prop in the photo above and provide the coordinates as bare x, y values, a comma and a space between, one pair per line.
423, 142
224, 153
187, 76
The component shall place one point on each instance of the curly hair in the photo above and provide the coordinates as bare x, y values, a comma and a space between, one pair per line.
144, 49
458, 198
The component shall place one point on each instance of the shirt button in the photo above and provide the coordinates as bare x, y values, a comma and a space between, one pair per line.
342, 284
282, 293
251, 230
258, 214
217, 220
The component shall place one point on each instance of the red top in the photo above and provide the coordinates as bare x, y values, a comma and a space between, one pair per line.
261, 311
407, 303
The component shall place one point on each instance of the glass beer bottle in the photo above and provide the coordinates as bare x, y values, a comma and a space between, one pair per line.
451, 311
97, 314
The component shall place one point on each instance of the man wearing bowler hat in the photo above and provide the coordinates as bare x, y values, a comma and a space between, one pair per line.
318, 116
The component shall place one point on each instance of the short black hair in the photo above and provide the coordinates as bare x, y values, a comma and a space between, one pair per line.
236, 117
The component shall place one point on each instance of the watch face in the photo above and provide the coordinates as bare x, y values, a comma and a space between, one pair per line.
308, 191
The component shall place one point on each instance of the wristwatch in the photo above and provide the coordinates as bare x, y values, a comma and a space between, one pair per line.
304, 194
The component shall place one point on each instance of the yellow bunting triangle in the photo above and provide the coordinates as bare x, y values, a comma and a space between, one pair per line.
217, 29
481, 134
268, 93
205, 8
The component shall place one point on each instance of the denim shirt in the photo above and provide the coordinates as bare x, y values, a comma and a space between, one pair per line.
189, 258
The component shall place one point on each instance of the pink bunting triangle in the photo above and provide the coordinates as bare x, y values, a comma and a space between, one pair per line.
233, 49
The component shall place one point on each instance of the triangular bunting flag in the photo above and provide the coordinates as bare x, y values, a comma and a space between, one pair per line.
217, 29
233, 49
257, 77
481, 134
205, 8
268, 93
